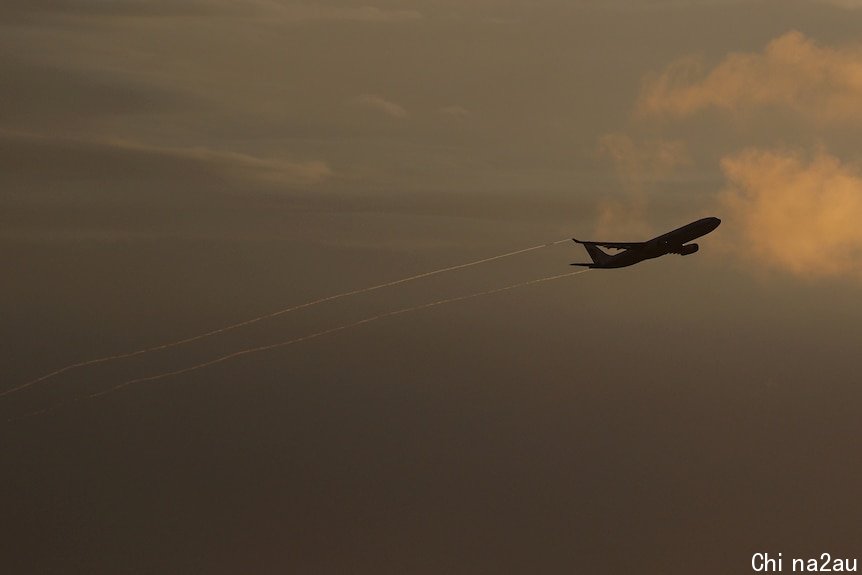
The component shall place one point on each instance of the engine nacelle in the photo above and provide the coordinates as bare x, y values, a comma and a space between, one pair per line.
688, 249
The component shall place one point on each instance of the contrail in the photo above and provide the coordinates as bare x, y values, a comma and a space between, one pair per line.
268, 316
294, 341
330, 331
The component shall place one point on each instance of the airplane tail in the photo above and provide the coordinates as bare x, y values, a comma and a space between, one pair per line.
599, 257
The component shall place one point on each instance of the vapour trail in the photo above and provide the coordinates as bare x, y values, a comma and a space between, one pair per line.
292, 341
330, 331
268, 316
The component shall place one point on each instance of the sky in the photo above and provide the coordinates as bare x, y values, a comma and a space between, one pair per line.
170, 168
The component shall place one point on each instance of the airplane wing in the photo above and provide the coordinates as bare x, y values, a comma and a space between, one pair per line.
616, 245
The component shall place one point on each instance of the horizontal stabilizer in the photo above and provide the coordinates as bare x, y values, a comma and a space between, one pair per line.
613, 245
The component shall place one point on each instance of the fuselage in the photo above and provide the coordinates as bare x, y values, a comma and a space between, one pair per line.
671, 242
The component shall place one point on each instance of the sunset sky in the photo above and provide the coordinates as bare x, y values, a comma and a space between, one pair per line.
172, 167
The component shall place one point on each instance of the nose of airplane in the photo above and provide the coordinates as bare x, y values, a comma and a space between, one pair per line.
715, 222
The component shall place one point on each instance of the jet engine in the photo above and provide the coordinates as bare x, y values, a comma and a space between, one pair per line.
687, 249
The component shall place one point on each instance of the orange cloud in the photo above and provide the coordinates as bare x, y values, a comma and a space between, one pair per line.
821, 83
796, 214
636, 164
639, 162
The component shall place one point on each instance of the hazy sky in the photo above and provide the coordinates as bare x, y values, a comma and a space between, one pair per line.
168, 168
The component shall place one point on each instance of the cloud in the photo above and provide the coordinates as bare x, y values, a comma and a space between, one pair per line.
846, 4
658, 5
274, 170
637, 165
795, 213
639, 162
379, 104
454, 111
112, 8
820, 83
271, 10
310, 12
46, 97
36, 157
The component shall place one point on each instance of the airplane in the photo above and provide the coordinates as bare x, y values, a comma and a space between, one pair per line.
675, 242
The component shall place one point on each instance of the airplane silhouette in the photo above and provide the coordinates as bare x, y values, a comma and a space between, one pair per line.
674, 242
